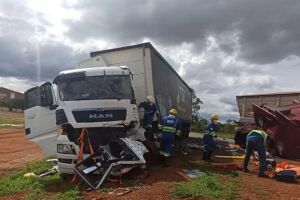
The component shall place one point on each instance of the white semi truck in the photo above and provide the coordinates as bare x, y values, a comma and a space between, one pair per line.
101, 96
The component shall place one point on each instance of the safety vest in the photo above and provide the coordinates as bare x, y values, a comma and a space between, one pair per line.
210, 129
260, 132
169, 124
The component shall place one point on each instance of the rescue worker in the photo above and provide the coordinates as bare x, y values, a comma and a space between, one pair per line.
208, 138
255, 141
149, 111
169, 127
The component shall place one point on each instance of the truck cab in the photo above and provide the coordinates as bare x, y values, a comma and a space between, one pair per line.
100, 100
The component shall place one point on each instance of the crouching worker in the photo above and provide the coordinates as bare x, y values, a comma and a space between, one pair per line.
208, 138
169, 127
256, 140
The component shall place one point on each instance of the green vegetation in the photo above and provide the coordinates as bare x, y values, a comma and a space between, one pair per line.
215, 184
208, 186
225, 130
11, 121
36, 186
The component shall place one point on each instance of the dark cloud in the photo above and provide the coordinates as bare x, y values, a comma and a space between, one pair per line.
33, 60
267, 31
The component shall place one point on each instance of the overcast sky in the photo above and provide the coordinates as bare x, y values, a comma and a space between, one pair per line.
221, 48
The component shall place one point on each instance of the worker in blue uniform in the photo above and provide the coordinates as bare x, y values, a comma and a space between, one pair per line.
208, 138
169, 127
150, 110
255, 141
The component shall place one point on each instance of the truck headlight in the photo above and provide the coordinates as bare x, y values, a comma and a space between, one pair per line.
65, 149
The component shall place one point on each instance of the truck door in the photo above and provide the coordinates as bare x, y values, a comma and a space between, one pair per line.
39, 114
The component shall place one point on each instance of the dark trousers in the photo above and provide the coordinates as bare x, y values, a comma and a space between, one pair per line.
256, 143
149, 134
209, 146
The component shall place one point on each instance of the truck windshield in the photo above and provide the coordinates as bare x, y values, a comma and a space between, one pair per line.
95, 87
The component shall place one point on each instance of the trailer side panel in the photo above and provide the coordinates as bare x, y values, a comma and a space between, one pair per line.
170, 91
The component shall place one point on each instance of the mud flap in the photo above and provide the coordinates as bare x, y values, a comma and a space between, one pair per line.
119, 157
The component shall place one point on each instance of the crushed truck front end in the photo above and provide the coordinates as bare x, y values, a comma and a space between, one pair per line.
99, 100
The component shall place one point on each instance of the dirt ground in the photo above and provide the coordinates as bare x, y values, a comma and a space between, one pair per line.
16, 151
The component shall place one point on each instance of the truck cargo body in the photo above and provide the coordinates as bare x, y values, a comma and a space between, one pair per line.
274, 100
152, 75
277, 101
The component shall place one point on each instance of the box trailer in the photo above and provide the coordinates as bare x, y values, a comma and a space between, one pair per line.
152, 75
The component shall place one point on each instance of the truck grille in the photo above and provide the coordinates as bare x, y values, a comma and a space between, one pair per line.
99, 115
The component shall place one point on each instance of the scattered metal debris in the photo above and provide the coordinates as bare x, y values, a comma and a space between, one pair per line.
50, 172
117, 158
193, 173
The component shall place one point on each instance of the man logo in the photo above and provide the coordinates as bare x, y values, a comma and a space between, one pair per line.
101, 116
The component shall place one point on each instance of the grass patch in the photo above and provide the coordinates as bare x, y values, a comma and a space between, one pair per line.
208, 186
11, 121
6, 123
16, 182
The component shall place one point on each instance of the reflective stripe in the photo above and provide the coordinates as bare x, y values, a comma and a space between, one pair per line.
169, 129
165, 154
178, 132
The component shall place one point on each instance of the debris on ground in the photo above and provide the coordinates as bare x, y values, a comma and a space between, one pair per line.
123, 191
193, 173
194, 146
30, 174
231, 157
230, 166
287, 175
118, 158
50, 172
287, 172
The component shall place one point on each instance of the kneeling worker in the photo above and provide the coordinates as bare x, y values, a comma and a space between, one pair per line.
169, 126
255, 141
